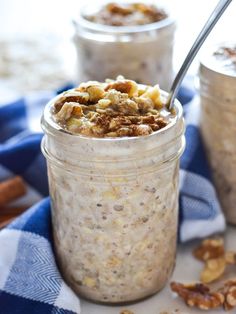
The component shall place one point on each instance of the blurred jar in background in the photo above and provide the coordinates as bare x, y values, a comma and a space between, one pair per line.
134, 40
218, 116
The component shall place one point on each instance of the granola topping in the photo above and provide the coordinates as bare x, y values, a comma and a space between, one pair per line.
117, 14
117, 108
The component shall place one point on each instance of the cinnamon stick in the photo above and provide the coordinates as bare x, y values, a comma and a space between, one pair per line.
11, 189
6, 222
7, 217
11, 210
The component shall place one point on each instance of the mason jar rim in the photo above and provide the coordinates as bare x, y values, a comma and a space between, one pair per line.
110, 29
50, 126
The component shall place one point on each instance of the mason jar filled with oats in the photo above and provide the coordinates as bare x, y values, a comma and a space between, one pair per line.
218, 116
113, 152
135, 39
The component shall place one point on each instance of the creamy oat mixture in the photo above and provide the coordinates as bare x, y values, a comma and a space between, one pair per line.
127, 14
114, 200
218, 116
112, 109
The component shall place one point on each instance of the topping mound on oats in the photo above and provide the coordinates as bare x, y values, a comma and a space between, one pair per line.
227, 57
112, 109
129, 14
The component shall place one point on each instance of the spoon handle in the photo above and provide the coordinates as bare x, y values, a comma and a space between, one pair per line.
213, 19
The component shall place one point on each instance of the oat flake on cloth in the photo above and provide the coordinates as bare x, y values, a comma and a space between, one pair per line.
30, 281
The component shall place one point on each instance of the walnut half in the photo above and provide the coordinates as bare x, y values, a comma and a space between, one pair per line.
198, 295
214, 269
212, 253
209, 249
229, 291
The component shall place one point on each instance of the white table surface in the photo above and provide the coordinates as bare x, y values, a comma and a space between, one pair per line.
187, 270
191, 16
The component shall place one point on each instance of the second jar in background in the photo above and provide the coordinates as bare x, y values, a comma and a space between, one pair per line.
218, 115
139, 52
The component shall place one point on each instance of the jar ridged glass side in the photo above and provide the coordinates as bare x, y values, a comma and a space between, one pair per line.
114, 209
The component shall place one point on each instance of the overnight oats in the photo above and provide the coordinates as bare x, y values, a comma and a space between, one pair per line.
218, 102
113, 151
135, 39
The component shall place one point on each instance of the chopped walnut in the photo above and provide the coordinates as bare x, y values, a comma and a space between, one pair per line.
74, 124
67, 109
198, 295
71, 96
95, 92
144, 104
115, 96
214, 269
104, 103
209, 249
230, 258
124, 86
115, 8
229, 291
212, 252
127, 107
142, 129
153, 93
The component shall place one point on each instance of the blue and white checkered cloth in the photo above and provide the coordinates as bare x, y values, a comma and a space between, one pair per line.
29, 278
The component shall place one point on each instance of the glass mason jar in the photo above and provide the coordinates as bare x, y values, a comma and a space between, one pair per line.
114, 209
218, 116
142, 53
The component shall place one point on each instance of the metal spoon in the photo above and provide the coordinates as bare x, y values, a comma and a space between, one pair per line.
213, 19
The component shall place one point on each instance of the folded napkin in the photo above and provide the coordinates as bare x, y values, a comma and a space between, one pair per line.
29, 278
